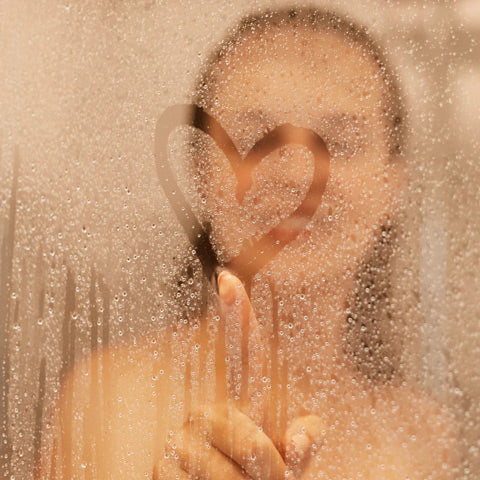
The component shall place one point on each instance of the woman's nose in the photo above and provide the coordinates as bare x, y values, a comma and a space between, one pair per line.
290, 169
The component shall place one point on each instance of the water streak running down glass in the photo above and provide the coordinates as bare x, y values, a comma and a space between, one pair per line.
238, 241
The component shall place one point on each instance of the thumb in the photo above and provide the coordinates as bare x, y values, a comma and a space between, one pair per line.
245, 347
303, 437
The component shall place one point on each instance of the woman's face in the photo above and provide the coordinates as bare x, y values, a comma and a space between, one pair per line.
325, 83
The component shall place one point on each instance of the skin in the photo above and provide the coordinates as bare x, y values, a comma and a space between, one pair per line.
171, 407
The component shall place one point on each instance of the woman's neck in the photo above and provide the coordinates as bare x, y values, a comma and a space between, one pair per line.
304, 323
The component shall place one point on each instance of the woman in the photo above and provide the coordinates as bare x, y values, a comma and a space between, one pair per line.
261, 386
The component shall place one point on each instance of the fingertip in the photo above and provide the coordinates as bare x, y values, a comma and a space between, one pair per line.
156, 472
299, 443
226, 287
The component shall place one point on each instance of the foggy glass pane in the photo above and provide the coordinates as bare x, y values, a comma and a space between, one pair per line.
239, 240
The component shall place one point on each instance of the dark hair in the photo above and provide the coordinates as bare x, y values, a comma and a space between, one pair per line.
365, 343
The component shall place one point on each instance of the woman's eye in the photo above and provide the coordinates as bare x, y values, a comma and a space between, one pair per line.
342, 149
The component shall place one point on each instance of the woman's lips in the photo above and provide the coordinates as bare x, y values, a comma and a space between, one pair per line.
289, 228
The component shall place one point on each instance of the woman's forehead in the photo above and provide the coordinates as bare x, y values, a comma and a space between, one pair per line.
297, 71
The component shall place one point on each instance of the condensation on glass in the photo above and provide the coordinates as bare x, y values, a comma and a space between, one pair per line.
239, 240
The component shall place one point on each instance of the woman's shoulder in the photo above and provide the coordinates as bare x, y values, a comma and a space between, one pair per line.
402, 406
124, 397
127, 366
410, 400
412, 425
388, 432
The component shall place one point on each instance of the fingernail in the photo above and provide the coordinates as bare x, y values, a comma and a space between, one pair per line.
298, 446
226, 287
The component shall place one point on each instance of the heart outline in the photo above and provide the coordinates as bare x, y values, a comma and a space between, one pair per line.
195, 116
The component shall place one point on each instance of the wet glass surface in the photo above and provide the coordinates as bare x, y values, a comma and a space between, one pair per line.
239, 240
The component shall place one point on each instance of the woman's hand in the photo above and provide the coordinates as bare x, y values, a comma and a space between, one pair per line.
218, 442
301, 441
221, 440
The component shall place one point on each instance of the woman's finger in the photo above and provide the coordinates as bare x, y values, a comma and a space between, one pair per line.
245, 347
236, 436
196, 455
237, 304
302, 438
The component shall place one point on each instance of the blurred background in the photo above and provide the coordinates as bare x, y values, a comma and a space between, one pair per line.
89, 246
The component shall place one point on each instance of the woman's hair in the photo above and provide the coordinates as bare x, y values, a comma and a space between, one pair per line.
315, 20
365, 342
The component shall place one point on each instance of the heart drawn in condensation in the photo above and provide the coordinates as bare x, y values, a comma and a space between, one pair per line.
258, 253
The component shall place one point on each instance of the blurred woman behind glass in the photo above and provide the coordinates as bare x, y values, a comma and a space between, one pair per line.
182, 406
